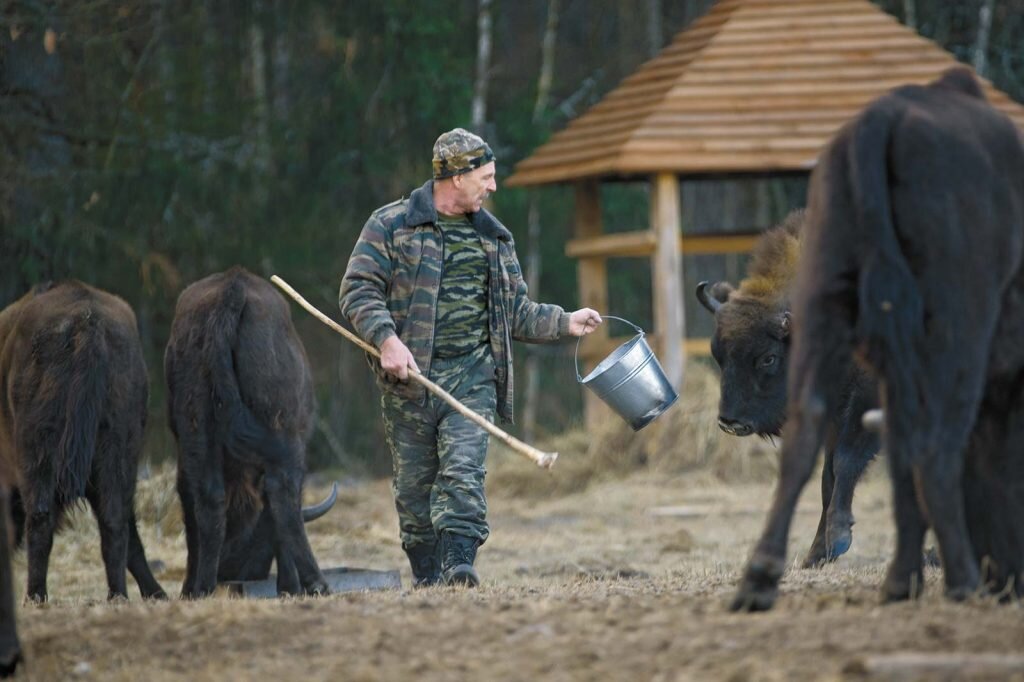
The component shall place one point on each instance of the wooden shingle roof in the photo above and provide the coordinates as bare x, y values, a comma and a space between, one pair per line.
752, 86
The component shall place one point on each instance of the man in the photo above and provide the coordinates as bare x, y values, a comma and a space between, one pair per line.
434, 283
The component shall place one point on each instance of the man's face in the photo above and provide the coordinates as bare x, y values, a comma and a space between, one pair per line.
475, 186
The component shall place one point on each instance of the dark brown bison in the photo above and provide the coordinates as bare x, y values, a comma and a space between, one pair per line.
241, 405
10, 648
912, 260
72, 415
751, 346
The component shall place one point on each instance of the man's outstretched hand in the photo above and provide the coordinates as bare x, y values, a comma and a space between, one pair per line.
583, 321
396, 358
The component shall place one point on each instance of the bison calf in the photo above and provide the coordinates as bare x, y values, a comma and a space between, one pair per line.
914, 260
241, 405
751, 346
72, 415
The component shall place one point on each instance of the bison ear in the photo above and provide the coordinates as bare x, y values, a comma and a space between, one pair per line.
713, 295
785, 323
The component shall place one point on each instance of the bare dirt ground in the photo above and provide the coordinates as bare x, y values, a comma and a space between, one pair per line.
617, 565
625, 580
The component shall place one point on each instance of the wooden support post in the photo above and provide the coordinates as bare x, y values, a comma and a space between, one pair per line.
667, 273
592, 278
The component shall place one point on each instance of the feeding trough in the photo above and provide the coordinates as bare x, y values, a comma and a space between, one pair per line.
339, 579
630, 380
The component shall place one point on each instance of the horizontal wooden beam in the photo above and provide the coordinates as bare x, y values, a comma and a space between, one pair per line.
636, 243
639, 243
698, 346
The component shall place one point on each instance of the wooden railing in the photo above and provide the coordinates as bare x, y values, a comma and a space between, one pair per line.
639, 243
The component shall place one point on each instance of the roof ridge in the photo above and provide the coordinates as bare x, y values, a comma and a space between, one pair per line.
751, 86
725, 8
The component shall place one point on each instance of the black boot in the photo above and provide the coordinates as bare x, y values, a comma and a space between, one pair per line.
457, 555
426, 568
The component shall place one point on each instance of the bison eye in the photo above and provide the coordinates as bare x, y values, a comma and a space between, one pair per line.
767, 361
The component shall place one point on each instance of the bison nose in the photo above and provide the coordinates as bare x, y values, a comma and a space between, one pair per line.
734, 427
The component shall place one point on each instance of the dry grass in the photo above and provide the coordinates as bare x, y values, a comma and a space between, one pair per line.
616, 565
686, 438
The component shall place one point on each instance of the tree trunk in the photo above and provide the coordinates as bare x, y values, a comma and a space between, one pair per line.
547, 63
984, 30
654, 36
261, 108
910, 13
282, 64
531, 383
483, 66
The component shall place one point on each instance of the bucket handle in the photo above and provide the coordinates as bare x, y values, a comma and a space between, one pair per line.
576, 355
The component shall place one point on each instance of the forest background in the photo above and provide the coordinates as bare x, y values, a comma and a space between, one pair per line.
145, 144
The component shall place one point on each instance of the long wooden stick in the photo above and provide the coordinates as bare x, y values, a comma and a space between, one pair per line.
542, 459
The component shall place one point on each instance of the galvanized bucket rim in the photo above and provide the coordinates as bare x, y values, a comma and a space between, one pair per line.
621, 350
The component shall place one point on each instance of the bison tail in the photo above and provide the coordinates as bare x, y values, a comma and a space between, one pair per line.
890, 323
238, 430
85, 397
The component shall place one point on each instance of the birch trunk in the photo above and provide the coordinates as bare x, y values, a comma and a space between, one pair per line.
654, 37
984, 30
531, 383
910, 13
483, 66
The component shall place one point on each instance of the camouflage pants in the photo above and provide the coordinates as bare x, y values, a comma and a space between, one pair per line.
438, 454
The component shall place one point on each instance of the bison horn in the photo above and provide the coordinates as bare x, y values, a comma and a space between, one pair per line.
709, 302
317, 510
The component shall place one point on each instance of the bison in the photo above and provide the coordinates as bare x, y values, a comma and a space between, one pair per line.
72, 416
914, 263
241, 406
10, 648
751, 346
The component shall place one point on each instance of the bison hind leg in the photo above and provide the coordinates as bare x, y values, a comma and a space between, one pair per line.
138, 566
40, 525
112, 514
249, 547
905, 576
284, 497
287, 575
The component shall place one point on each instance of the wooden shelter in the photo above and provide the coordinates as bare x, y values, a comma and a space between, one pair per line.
753, 87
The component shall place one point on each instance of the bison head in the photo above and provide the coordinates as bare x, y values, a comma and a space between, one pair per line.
750, 345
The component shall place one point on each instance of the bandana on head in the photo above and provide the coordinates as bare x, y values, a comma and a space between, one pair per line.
459, 151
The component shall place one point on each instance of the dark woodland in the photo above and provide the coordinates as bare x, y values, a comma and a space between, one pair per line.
145, 144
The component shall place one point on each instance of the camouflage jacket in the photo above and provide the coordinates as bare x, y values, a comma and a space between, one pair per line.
392, 281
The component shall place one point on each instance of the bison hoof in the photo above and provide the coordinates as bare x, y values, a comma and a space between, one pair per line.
900, 588
817, 556
749, 600
318, 589
35, 598
9, 663
838, 546
760, 586
959, 593
159, 595
190, 595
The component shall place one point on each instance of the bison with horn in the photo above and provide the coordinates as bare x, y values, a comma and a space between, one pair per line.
241, 406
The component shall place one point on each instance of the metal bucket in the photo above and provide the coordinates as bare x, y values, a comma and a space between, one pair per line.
630, 380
